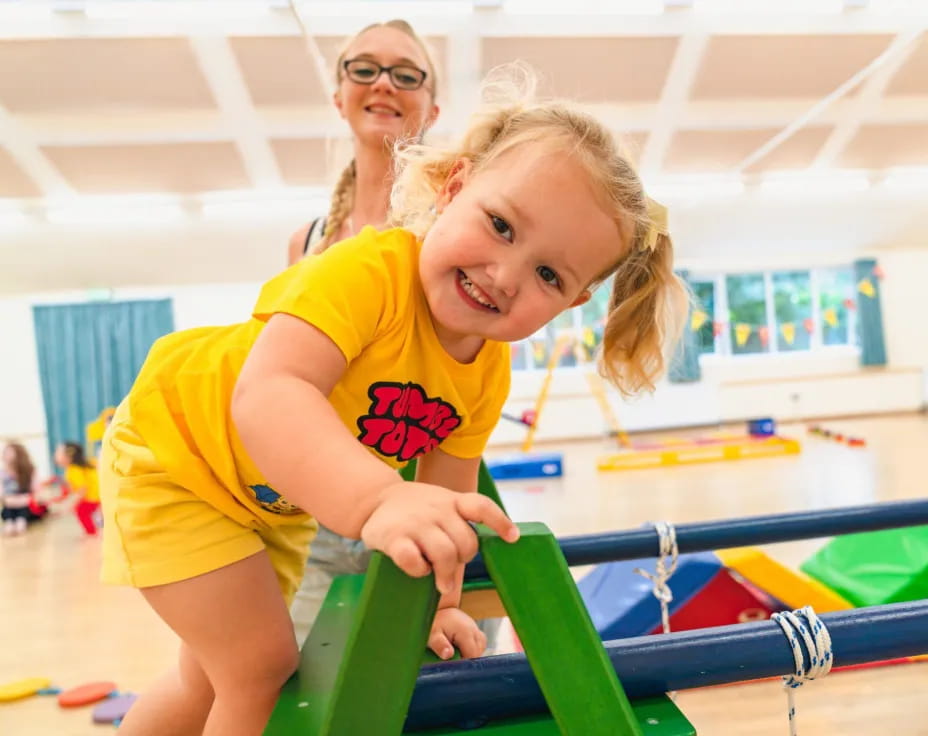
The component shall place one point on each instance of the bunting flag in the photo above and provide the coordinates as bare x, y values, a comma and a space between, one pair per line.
865, 287
742, 333
788, 329
589, 337
878, 271
698, 319
717, 328
830, 316
808, 324
850, 304
763, 332
539, 351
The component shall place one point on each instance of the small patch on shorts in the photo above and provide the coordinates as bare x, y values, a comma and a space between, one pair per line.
271, 500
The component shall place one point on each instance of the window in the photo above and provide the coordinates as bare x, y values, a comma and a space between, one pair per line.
733, 314
836, 302
747, 313
792, 299
703, 316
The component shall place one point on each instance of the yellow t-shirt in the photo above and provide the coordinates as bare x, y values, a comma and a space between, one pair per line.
78, 477
401, 395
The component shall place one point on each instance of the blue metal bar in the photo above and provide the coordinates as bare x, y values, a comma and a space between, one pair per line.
705, 536
480, 690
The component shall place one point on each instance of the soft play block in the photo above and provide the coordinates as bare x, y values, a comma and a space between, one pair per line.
724, 600
791, 587
621, 603
527, 465
875, 567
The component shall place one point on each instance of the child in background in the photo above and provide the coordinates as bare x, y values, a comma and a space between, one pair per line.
16, 476
80, 479
235, 441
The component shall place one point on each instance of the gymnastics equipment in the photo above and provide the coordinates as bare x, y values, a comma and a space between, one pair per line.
114, 709
699, 451
791, 587
531, 465
888, 566
360, 662
23, 688
560, 345
86, 694
452, 692
837, 436
622, 603
360, 667
706, 536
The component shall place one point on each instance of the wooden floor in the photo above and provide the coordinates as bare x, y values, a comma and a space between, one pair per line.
59, 622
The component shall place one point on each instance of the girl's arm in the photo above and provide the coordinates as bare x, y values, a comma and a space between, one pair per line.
281, 410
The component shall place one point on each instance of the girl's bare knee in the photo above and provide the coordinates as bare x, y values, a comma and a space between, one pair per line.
266, 672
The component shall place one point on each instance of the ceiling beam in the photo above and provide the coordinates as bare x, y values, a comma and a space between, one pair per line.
278, 21
671, 108
25, 150
194, 126
859, 107
225, 79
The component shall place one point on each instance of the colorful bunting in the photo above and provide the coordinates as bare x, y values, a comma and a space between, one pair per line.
808, 324
788, 329
717, 328
763, 332
698, 319
830, 316
742, 333
865, 287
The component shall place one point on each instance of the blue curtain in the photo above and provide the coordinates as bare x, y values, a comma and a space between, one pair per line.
89, 355
869, 314
684, 367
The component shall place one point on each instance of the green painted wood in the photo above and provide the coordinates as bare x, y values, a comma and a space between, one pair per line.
359, 664
560, 641
485, 483
655, 716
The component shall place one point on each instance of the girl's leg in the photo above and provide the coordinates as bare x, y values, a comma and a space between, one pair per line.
236, 625
84, 511
187, 691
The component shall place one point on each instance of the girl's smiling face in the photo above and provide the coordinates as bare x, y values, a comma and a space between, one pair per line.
513, 246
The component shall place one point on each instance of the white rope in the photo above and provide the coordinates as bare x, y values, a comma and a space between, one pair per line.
666, 564
817, 640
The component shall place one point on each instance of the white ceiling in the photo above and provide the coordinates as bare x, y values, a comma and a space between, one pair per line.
192, 103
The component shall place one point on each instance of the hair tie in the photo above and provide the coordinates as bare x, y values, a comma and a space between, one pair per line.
657, 224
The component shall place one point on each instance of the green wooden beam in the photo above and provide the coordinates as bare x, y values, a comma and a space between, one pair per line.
359, 664
655, 717
560, 641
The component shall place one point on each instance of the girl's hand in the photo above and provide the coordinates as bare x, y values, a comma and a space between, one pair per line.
454, 628
424, 528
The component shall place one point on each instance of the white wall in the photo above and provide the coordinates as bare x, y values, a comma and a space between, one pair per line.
22, 414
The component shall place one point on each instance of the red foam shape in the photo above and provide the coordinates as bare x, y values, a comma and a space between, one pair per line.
91, 692
724, 600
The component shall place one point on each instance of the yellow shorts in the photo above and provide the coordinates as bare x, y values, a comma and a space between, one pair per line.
157, 532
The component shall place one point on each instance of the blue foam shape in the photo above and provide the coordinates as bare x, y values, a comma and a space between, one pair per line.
765, 427
621, 602
527, 465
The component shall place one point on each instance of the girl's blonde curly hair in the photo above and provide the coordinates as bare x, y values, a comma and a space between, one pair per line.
648, 304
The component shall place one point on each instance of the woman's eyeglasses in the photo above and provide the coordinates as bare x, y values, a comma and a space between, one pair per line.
365, 71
